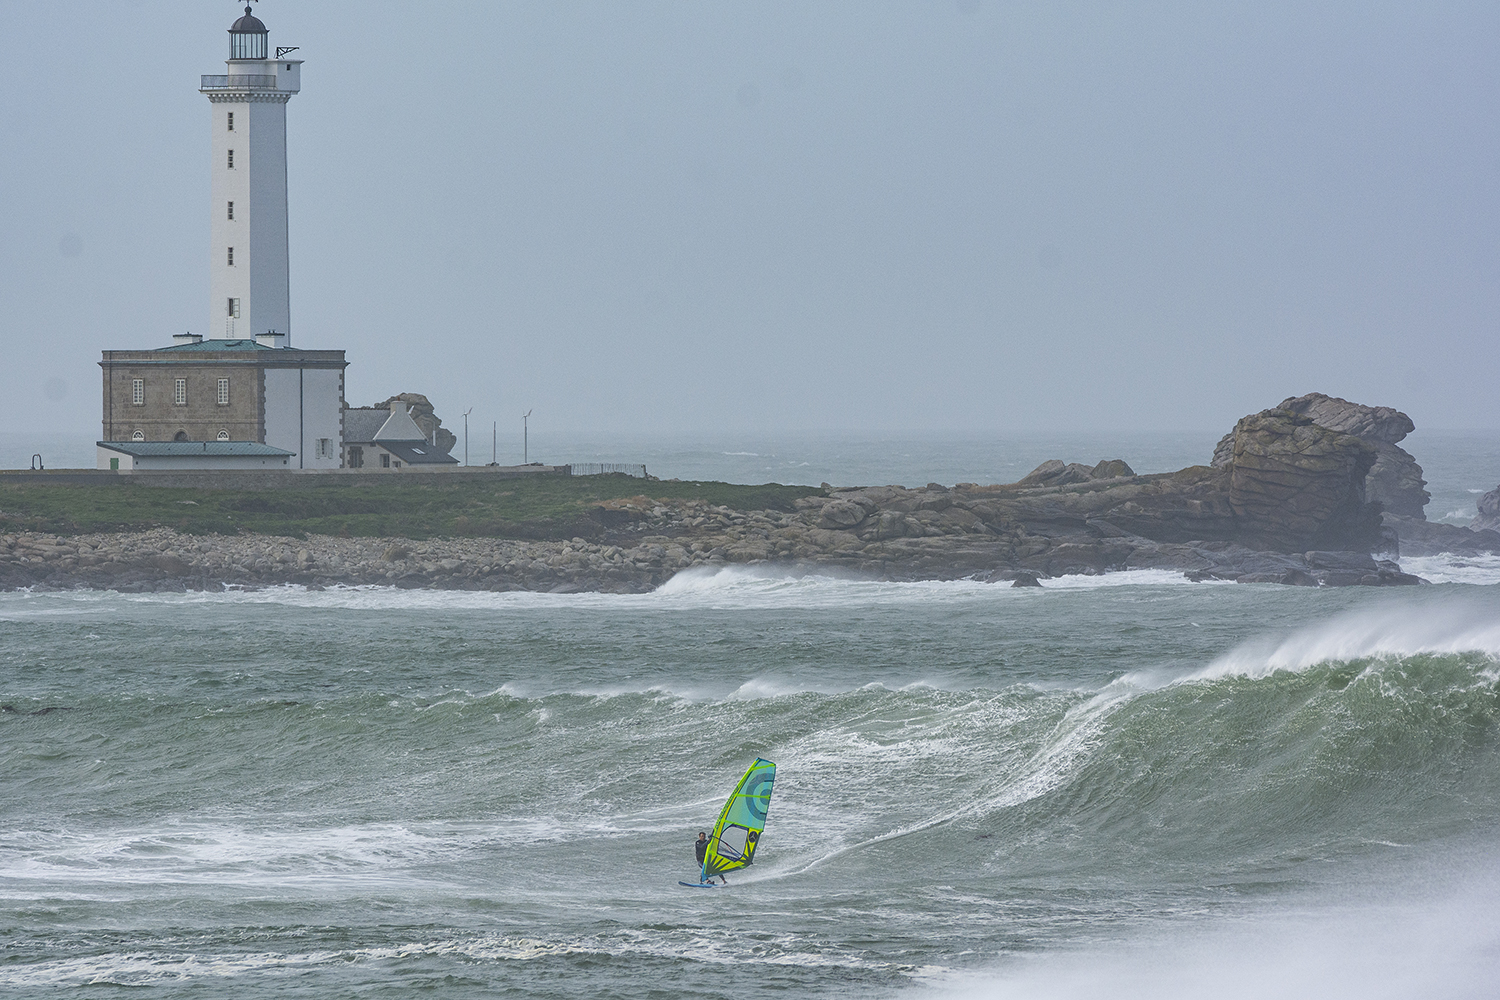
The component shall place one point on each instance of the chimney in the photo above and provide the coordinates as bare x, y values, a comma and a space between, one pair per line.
271, 339
187, 338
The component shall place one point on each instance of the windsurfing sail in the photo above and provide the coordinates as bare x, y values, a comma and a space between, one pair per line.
737, 833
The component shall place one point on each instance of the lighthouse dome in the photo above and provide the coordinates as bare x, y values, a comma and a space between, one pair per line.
248, 25
247, 38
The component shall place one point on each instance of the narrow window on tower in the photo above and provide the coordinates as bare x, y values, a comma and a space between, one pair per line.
231, 211
231, 121
138, 391
234, 308
179, 392
231, 159
231, 256
223, 392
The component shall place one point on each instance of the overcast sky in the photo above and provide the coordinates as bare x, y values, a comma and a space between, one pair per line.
965, 215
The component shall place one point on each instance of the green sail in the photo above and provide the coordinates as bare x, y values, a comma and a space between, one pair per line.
737, 833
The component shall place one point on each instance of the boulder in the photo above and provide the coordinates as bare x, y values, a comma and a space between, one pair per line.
1489, 512
1295, 485
841, 514
1054, 472
1112, 468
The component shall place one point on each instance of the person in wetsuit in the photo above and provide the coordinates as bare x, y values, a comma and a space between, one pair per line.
701, 847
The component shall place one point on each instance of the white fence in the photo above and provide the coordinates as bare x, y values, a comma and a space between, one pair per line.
607, 469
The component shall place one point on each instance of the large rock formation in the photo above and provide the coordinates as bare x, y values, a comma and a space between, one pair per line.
1295, 484
1394, 480
1489, 512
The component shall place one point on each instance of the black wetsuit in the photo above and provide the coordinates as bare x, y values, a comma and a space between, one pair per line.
701, 846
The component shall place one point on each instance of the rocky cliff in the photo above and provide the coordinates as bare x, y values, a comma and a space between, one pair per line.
1394, 479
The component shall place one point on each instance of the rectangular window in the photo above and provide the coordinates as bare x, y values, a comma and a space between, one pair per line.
385, 461
138, 391
223, 392
231, 256
231, 121
234, 308
231, 159
179, 392
231, 211
325, 448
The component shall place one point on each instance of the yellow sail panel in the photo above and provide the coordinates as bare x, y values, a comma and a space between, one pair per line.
737, 833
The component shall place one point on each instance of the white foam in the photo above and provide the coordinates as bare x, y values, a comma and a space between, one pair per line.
721, 587
698, 945
1124, 578
1478, 570
205, 853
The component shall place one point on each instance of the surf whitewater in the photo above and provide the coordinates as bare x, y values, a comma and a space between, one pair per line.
979, 790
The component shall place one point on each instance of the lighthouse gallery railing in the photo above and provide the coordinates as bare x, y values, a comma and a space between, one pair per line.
241, 82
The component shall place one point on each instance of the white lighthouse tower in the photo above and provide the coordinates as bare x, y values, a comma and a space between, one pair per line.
248, 261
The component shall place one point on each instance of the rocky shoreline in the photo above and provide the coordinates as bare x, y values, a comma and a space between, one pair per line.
888, 533
1285, 501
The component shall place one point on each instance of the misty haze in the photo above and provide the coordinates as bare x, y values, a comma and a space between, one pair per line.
1015, 487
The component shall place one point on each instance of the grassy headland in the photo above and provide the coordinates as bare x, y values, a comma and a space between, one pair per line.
540, 507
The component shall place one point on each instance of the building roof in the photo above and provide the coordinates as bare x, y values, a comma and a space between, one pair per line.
418, 453
248, 25
191, 449
220, 345
399, 426
361, 423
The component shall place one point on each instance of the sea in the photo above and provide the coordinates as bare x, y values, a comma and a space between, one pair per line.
1125, 785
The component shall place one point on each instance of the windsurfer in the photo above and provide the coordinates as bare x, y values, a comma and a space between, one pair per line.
701, 847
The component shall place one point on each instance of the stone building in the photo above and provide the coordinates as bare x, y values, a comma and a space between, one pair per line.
228, 390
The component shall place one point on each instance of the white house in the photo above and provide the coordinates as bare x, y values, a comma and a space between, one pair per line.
395, 443
128, 456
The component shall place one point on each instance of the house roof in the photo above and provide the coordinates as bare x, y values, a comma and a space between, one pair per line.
191, 449
418, 453
362, 422
399, 426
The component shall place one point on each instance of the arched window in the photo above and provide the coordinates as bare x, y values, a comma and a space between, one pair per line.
223, 435
180, 436
138, 436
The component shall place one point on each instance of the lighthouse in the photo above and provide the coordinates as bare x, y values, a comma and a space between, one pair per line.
241, 397
249, 270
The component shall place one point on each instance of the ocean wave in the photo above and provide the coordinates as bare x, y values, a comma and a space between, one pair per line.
1392, 630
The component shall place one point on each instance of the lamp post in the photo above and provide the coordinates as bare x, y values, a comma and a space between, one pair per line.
466, 434
525, 438
494, 437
